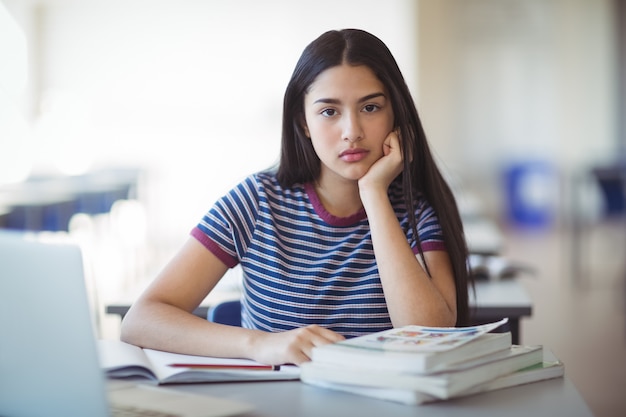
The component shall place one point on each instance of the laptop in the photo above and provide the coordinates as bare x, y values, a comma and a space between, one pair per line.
49, 363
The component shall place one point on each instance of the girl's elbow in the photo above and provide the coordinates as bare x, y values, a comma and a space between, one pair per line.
127, 331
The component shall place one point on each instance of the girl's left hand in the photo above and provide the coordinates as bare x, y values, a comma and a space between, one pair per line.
388, 167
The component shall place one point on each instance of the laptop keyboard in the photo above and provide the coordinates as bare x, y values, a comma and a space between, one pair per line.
125, 411
128, 399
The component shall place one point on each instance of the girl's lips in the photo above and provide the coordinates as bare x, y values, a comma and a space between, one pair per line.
353, 155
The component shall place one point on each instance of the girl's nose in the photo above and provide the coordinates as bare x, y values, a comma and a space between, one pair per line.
352, 129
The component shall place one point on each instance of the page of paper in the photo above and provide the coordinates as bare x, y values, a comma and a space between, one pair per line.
162, 361
121, 359
423, 339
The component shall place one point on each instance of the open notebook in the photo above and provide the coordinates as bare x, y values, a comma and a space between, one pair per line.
48, 358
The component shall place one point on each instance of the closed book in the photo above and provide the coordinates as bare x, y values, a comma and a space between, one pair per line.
420, 339
410, 361
443, 385
535, 373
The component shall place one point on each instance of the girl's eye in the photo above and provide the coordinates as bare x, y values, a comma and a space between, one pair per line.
371, 108
329, 112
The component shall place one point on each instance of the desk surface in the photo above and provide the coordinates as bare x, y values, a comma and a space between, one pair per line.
503, 298
483, 236
557, 397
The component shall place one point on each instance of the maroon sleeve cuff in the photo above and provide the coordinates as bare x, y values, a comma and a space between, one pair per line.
207, 242
431, 246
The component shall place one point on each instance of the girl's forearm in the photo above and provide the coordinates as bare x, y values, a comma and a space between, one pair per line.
156, 325
411, 296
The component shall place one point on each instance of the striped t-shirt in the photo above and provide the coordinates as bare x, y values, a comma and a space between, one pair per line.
301, 265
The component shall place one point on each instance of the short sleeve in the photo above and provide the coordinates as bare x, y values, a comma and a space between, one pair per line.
226, 229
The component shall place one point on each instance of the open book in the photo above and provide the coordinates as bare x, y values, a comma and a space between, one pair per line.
123, 360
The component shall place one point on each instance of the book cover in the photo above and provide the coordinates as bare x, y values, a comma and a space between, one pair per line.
408, 361
445, 384
123, 360
415, 338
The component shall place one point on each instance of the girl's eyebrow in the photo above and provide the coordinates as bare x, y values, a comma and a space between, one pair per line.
361, 100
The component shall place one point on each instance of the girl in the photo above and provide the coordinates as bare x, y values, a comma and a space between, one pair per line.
354, 232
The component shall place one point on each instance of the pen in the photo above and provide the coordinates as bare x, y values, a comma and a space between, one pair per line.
226, 366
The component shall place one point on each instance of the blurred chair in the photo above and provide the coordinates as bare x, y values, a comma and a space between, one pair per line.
226, 312
611, 183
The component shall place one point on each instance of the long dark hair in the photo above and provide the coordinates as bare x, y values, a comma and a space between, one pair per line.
300, 164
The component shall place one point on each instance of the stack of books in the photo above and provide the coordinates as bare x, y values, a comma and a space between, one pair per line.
416, 364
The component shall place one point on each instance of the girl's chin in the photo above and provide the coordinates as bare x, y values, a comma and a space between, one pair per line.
354, 176
351, 173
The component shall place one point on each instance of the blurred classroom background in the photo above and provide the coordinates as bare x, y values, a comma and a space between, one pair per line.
121, 121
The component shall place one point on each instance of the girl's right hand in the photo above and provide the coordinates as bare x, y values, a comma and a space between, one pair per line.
387, 168
292, 346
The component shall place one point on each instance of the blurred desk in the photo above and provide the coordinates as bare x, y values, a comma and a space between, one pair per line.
48, 203
483, 236
610, 180
493, 301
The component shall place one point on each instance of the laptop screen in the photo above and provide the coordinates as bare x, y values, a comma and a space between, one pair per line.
48, 358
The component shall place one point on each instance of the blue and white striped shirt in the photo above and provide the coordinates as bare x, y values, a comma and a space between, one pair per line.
301, 265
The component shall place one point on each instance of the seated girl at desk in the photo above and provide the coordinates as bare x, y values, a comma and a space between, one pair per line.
355, 231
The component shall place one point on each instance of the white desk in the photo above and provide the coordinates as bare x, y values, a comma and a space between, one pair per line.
554, 398
498, 299
483, 236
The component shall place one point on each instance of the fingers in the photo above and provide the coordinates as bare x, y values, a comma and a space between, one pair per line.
292, 346
310, 337
387, 147
327, 335
318, 336
409, 148
392, 141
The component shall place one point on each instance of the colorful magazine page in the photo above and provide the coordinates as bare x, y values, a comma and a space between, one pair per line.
421, 338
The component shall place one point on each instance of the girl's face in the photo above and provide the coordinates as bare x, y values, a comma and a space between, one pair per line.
348, 115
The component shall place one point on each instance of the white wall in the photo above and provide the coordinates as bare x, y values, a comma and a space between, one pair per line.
508, 81
190, 89
203, 75
13, 80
